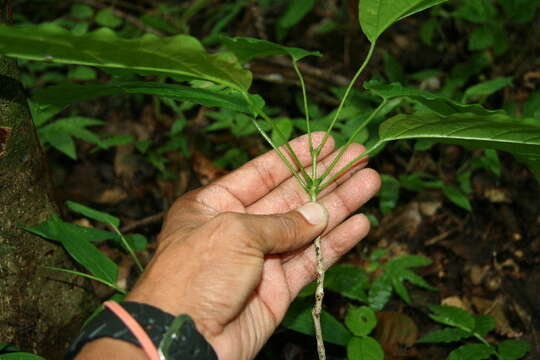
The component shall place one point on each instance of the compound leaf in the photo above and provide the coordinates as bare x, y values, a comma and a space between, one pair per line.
444, 336
60, 134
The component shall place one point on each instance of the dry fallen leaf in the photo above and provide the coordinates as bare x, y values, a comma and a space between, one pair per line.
397, 333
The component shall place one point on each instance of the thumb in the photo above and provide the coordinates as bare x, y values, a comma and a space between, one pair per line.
290, 231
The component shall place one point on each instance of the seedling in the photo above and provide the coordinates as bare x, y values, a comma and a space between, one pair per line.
461, 326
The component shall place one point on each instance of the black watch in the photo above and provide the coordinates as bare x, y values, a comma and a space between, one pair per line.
188, 345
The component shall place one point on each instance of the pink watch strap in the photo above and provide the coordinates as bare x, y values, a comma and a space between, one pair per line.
146, 343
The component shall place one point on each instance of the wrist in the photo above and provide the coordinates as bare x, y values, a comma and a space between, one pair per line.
112, 349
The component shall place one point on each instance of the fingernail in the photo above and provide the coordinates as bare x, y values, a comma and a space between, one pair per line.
314, 213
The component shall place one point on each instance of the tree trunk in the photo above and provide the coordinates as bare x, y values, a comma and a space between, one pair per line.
40, 310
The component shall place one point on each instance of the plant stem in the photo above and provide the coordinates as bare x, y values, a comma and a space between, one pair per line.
346, 95
92, 277
351, 163
128, 247
282, 156
350, 140
308, 123
319, 292
295, 159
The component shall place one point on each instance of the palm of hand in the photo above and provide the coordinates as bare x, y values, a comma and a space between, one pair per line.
240, 299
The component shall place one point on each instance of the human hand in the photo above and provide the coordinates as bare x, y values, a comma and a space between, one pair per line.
234, 254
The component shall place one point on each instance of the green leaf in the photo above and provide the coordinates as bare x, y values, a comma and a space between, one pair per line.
283, 126
93, 214
298, 318
393, 69
477, 11
348, 280
389, 194
56, 229
513, 349
246, 49
495, 131
366, 348
488, 87
452, 316
447, 335
483, 324
455, 195
51, 100
60, 133
82, 73
482, 38
396, 271
296, 11
380, 292
137, 242
80, 28
407, 261
76, 241
20, 356
435, 102
210, 97
91, 258
81, 11
180, 56
520, 11
106, 17
472, 352
88, 276
531, 108
376, 16
360, 320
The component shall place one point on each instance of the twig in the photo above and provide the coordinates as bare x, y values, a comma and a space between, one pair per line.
127, 17
143, 222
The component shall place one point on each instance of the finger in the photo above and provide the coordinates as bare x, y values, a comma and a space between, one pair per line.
290, 195
273, 234
259, 176
301, 269
347, 198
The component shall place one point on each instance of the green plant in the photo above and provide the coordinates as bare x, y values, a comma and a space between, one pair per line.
79, 243
461, 326
361, 321
354, 284
225, 83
